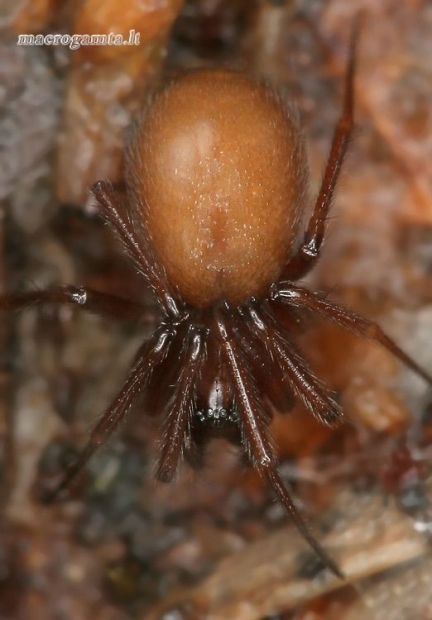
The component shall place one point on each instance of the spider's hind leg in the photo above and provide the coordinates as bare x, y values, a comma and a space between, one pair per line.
309, 251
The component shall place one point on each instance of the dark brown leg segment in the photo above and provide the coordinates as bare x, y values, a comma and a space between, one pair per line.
92, 301
120, 213
177, 427
308, 253
316, 397
150, 355
301, 297
256, 436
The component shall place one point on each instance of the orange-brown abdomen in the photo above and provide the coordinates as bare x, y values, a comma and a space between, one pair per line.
218, 168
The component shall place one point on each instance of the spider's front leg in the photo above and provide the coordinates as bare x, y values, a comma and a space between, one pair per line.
254, 427
150, 355
306, 386
176, 432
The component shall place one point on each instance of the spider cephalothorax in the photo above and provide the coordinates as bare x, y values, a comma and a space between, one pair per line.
212, 218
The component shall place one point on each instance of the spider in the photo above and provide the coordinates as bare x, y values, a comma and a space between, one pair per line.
212, 217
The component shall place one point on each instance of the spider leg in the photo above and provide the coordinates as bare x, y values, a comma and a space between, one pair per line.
308, 253
86, 298
120, 212
266, 369
149, 356
314, 394
301, 297
177, 427
256, 435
